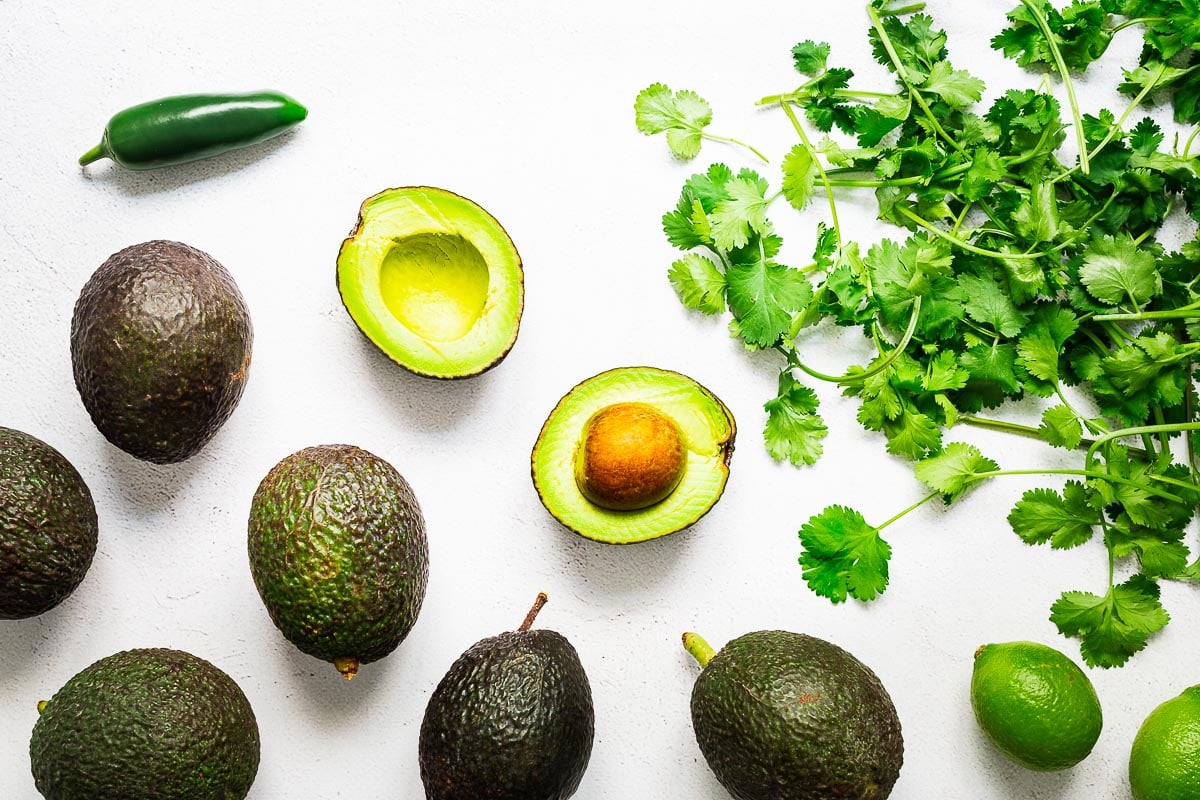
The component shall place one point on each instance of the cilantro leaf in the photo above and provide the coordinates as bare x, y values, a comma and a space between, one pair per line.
794, 430
844, 555
699, 284
1113, 627
987, 304
743, 211
1061, 427
1115, 270
810, 57
1064, 520
954, 470
762, 296
799, 174
683, 115
957, 87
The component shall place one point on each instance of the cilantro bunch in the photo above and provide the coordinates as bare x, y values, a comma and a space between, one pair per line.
1015, 274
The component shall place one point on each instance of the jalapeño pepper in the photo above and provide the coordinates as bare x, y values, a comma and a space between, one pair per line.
175, 130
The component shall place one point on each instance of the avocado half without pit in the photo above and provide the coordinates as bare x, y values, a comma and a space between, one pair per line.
433, 281
632, 454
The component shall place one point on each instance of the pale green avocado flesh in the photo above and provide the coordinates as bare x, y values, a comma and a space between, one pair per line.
705, 424
433, 280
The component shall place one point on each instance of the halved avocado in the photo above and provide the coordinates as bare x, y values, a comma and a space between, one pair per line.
632, 454
433, 281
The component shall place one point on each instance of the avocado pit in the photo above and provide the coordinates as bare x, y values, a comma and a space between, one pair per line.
630, 456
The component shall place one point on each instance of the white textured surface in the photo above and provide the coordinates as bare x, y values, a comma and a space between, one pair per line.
526, 108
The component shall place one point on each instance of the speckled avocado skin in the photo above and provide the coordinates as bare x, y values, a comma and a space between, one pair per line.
511, 720
150, 724
338, 552
784, 716
160, 345
48, 526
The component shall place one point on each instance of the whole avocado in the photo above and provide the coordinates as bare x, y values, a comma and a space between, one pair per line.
511, 720
48, 526
151, 724
338, 552
785, 716
160, 346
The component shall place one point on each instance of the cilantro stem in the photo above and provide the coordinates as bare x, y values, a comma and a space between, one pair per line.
924, 224
791, 115
1084, 473
859, 377
913, 507
1176, 427
908, 9
1129, 23
1068, 84
729, 140
844, 94
1187, 146
1190, 311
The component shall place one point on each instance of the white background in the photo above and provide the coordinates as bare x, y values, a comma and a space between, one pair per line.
526, 108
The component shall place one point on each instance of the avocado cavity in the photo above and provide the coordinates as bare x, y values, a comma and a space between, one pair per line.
435, 284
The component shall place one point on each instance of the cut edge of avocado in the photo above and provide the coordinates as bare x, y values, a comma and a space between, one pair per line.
708, 430
456, 321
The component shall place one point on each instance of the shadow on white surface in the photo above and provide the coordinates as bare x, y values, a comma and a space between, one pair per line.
140, 183
428, 404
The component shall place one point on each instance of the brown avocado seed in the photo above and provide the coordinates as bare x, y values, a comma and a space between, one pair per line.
630, 456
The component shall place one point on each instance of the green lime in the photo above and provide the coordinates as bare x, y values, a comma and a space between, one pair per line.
1165, 761
1035, 704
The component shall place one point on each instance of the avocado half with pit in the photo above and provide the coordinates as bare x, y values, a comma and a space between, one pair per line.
433, 281
632, 454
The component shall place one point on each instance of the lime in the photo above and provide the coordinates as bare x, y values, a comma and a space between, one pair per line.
1165, 761
1035, 704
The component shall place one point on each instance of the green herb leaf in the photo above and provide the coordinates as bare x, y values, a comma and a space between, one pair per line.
763, 296
954, 470
699, 284
1064, 520
844, 555
1112, 627
1115, 270
683, 115
794, 430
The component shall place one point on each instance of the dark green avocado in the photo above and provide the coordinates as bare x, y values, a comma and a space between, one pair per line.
338, 553
784, 716
511, 720
160, 345
149, 724
47, 526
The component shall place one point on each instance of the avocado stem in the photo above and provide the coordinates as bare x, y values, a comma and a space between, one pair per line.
701, 650
42, 705
95, 154
347, 665
540, 601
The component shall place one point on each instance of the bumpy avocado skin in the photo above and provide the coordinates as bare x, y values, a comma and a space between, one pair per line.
511, 720
150, 724
48, 526
338, 552
784, 716
160, 345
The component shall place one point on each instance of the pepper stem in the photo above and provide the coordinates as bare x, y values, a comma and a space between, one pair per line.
347, 665
42, 705
533, 612
95, 154
701, 650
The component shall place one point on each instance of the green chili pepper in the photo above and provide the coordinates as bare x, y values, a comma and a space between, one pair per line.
175, 130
